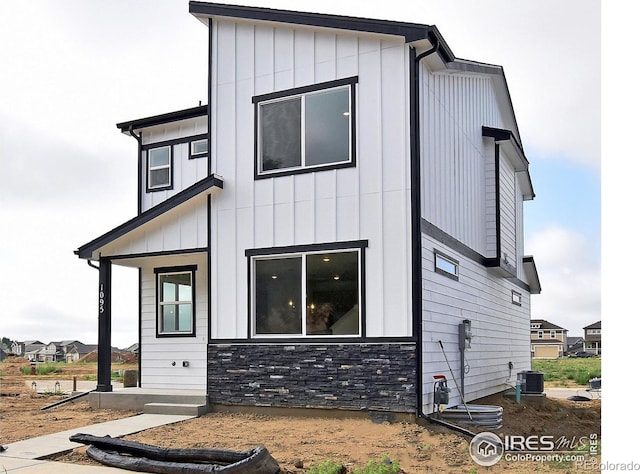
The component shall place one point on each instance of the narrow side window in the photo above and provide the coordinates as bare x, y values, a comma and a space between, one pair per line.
159, 168
175, 302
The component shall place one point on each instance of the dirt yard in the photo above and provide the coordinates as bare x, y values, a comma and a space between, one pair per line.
297, 443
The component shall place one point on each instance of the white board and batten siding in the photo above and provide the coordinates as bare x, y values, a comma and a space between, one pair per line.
368, 202
185, 227
185, 171
457, 163
501, 329
160, 353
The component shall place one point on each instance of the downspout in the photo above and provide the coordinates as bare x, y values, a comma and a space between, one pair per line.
416, 221
139, 140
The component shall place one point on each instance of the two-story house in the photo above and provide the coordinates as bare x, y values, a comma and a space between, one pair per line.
593, 338
26, 349
548, 340
342, 221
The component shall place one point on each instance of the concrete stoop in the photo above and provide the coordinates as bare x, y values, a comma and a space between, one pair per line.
137, 399
189, 409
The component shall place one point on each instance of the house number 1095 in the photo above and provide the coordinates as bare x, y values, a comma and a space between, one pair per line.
101, 300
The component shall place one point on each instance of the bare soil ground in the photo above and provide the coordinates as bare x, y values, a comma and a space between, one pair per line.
297, 442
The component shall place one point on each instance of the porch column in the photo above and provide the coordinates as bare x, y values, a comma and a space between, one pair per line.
104, 327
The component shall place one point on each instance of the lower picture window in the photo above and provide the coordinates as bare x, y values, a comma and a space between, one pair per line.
308, 294
175, 302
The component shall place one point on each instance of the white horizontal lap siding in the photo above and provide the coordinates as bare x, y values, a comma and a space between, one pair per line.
501, 331
456, 162
159, 353
185, 171
368, 202
182, 228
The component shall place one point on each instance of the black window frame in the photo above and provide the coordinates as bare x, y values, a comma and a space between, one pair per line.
438, 255
191, 269
192, 154
253, 255
516, 298
163, 187
299, 92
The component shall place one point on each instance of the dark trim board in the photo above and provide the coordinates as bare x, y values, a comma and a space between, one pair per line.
161, 253
441, 236
347, 81
343, 245
175, 141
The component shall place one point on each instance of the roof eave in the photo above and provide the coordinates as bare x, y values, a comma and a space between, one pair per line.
410, 31
162, 119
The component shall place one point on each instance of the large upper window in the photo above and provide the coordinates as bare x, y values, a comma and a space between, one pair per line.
159, 168
307, 294
175, 301
306, 128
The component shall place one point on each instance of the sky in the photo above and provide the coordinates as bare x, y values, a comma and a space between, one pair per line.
72, 69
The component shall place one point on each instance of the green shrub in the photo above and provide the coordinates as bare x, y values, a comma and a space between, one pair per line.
327, 467
41, 369
384, 466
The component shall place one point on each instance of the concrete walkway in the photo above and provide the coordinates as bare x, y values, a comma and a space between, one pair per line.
24, 456
561, 392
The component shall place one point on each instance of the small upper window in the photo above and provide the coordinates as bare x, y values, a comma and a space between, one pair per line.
446, 266
198, 148
159, 167
516, 298
306, 129
540, 335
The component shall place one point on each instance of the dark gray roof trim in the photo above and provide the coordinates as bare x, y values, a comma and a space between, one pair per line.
410, 31
500, 135
163, 118
531, 271
85, 251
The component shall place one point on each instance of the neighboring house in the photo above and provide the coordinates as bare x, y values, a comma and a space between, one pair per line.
593, 338
575, 344
27, 349
133, 348
3, 353
548, 340
55, 351
75, 350
346, 212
